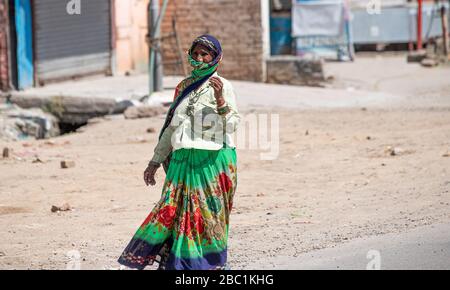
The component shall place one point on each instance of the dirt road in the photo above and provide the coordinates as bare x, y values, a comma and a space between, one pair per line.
327, 187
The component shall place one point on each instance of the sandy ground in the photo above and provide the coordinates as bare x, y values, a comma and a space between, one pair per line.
334, 181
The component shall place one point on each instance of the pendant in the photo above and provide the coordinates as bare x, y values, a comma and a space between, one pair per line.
190, 111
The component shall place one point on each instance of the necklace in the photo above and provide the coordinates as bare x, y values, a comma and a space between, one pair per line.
193, 98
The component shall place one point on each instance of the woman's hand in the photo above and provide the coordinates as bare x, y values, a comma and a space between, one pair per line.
149, 174
217, 85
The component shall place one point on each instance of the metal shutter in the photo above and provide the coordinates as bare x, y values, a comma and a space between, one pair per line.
71, 45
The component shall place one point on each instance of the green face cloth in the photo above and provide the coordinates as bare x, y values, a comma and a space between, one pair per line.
201, 69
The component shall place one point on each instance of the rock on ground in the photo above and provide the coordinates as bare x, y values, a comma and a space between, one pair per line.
18, 124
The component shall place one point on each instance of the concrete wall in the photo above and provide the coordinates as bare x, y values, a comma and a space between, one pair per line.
236, 23
291, 70
4, 70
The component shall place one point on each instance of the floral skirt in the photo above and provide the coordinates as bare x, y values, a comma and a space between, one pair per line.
188, 228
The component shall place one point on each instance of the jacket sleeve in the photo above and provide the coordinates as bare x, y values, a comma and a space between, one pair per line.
164, 146
232, 119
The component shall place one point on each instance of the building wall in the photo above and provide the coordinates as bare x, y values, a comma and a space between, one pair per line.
130, 30
236, 23
4, 71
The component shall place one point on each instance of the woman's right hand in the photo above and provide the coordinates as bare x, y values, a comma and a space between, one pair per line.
149, 174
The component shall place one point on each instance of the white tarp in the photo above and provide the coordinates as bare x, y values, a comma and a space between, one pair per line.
317, 18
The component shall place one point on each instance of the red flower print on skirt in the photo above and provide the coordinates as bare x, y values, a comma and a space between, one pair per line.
225, 182
195, 198
166, 216
199, 223
186, 224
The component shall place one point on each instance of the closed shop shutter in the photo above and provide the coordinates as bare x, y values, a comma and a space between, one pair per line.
69, 45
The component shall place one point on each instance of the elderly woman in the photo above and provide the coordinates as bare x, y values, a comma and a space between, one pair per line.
188, 228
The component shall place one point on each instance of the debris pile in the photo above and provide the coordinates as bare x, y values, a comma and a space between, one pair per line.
18, 124
434, 54
146, 111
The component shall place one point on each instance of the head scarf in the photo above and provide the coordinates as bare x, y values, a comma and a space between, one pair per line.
202, 69
199, 75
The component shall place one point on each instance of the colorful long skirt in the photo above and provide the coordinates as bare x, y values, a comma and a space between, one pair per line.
188, 228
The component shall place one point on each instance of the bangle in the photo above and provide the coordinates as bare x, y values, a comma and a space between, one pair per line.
223, 110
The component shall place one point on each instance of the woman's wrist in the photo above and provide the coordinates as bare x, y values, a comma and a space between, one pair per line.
154, 164
221, 103
223, 109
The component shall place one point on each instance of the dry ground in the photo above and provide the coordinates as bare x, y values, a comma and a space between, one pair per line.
334, 184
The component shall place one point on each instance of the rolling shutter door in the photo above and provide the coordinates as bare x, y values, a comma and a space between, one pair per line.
71, 45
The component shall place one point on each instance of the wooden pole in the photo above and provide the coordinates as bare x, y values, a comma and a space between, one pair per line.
444, 31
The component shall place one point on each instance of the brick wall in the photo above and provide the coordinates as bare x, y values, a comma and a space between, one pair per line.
236, 23
4, 75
